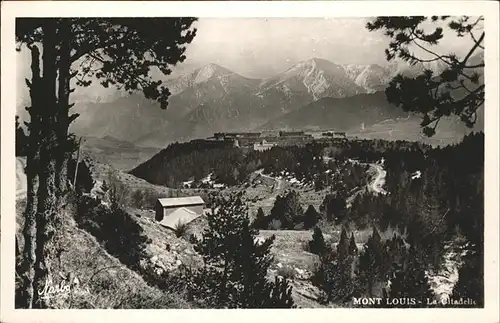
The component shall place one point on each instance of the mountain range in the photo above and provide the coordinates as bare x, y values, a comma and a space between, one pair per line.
313, 94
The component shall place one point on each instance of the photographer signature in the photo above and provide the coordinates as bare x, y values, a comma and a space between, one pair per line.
64, 288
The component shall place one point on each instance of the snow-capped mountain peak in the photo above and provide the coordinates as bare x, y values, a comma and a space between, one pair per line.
208, 71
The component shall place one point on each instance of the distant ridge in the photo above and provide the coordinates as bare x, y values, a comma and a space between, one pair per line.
213, 98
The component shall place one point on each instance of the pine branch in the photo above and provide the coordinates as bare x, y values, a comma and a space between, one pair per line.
473, 49
437, 56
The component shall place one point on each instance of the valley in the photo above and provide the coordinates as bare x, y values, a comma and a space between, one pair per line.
260, 190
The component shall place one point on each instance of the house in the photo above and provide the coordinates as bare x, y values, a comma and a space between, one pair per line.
171, 211
291, 133
263, 145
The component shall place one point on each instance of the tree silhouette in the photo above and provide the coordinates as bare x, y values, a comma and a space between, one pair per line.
317, 245
287, 210
116, 51
410, 280
334, 206
370, 264
311, 217
457, 89
353, 248
343, 245
261, 221
235, 270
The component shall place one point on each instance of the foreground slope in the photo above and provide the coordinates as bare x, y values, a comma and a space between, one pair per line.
103, 281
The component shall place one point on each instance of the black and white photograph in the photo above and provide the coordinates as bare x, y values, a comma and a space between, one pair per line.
190, 162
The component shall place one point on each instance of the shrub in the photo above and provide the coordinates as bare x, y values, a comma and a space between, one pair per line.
286, 272
139, 199
275, 225
287, 210
116, 229
180, 229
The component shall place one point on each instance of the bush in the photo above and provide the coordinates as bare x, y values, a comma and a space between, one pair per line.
180, 229
138, 199
287, 210
286, 272
116, 229
275, 225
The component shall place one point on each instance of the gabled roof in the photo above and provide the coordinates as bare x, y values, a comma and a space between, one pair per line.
181, 215
181, 201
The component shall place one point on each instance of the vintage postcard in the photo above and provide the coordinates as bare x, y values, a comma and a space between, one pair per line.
180, 156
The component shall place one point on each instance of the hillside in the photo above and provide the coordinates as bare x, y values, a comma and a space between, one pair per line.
103, 282
341, 114
119, 154
450, 130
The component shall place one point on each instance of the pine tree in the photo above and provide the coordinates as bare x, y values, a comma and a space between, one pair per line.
410, 280
370, 263
261, 221
457, 89
470, 284
353, 248
235, 264
287, 210
335, 207
311, 217
338, 278
317, 245
343, 245
116, 51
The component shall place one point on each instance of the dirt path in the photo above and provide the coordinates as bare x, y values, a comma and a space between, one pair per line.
375, 185
277, 187
378, 182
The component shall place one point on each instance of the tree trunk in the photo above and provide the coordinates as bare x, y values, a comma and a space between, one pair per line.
63, 120
32, 167
47, 222
47, 214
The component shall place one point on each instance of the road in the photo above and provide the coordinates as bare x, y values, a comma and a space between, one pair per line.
374, 186
378, 182
276, 187
279, 182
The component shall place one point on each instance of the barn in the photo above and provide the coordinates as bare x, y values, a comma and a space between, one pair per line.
171, 211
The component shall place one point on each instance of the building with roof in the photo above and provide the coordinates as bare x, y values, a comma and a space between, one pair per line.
263, 145
170, 211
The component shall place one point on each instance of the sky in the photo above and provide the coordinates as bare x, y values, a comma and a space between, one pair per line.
259, 47
263, 47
